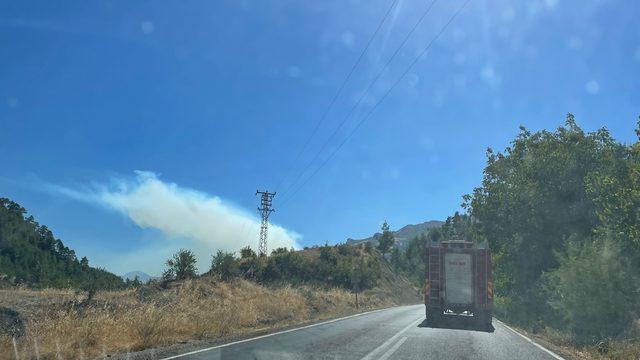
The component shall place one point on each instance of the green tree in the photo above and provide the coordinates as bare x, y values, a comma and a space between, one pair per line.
252, 267
435, 235
168, 274
398, 259
182, 265
84, 263
224, 264
410, 262
135, 283
386, 239
362, 276
532, 199
457, 227
616, 192
247, 252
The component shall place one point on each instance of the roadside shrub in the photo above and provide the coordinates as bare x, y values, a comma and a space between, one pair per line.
597, 290
247, 252
286, 265
327, 255
251, 268
345, 249
278, 251
224, 264
181, 266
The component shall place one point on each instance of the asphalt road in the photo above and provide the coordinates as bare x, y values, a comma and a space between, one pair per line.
396, 333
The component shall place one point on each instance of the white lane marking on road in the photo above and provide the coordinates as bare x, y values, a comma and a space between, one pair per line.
556, 356
277, 333
390, 340
393, 349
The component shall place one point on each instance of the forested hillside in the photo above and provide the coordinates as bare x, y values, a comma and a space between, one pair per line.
30, 254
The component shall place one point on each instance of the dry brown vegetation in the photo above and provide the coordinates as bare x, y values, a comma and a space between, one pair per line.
62, 324
562, 343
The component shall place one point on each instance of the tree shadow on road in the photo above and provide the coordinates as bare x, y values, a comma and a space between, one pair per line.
457, 323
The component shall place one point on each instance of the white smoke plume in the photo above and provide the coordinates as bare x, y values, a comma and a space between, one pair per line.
188, 218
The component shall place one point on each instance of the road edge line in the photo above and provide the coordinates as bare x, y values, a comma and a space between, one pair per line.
556, 356
279, 332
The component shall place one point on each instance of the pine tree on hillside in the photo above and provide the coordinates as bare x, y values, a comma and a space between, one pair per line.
386, 240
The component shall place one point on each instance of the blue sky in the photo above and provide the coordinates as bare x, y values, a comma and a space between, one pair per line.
117, 114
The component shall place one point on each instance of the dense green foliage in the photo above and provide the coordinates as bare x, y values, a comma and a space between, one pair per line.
31, 254
594, 289
182, 265
561, 213
340, 266
410, 262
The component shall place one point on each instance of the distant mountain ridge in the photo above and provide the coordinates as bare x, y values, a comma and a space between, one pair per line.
142, 276
402, 235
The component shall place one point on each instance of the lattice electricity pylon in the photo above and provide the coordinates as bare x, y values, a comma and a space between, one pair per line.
265, 209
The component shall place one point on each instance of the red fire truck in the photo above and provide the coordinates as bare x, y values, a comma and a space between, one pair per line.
458, 282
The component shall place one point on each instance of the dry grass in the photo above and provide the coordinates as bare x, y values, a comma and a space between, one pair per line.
60, 325
562, 343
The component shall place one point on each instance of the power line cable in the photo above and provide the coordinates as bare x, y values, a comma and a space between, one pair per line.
411, 65
244, 231
359, 101
337, 94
